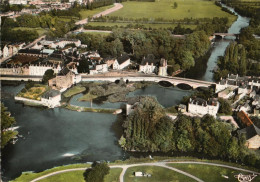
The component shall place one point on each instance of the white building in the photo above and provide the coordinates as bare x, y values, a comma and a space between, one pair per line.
39, 70
51, 98
151, 65
17, 1
5, 51
121, 62
199, 106
62, 42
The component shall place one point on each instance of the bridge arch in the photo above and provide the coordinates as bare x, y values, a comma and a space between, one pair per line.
184, 86
165, 83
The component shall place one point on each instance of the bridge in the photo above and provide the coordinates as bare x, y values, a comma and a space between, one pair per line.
20, 78
151, 78
223, 35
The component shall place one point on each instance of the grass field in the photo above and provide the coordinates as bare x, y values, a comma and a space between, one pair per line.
158, 174
90, 13
34, 92
164, 9
113, 175
210, 173
40, 31
77, 176
155, 26
28, 176
74, 90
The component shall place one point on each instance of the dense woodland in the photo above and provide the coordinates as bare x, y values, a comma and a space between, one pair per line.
6, 122
160, 43
149, 129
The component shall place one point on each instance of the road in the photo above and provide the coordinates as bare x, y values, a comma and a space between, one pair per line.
34, 42
116, 7
159, 164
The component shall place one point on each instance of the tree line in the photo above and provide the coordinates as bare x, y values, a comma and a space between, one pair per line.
139, 43
148, 128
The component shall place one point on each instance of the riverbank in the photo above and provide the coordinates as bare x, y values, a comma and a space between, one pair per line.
176, 161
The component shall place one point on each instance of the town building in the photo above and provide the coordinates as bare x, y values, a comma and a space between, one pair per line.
121, 62
244, 119
151, 65
32, 52
18, 2
51, 98
200, 106
252, 134
64, 79
226, 93
39, 70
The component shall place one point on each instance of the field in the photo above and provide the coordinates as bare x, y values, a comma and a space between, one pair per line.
34, 92
89, 13
74, 90
77, 176
164, 9
210, 173
158, 174
40, 31
28, 176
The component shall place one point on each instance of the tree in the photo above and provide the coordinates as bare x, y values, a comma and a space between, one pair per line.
97, 172
6, 122
49, 74
83, 66
175, 5
225, 107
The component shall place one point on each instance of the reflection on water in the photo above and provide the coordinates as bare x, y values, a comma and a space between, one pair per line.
53, 137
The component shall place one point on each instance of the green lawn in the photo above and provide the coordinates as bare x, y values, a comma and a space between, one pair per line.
113, 175
74, 90
210, 173
164, 9
155, 26
28, 176
40, 31
90, 13
159, 174
77, 176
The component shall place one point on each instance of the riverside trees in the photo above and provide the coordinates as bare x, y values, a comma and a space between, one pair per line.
179, 52
149, 129
6, 122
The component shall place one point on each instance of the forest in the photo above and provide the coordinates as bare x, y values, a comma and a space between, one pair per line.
180, 53
148, 128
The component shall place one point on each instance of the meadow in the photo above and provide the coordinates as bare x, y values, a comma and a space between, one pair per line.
165, 9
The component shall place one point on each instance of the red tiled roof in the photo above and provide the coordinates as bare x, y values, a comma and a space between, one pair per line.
244, 118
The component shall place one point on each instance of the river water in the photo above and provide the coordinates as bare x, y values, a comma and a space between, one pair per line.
54, 137
203, 69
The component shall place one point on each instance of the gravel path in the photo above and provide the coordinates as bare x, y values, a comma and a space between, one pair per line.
159, 164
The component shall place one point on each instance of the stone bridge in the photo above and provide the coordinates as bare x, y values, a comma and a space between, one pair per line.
20, 78
223, 35
173, 80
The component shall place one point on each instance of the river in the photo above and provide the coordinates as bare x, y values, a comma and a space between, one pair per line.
203, 69
54, 137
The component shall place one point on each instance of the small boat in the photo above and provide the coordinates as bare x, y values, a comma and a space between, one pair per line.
14, 141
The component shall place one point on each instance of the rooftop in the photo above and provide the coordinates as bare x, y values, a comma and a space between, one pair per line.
250, 131
244, 118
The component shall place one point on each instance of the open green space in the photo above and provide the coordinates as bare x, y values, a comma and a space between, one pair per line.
66, 177
158, 174
34, 92
89, 13
146, 25
210, 173
74, 90
28, 176
39, 30
165, 9
76, 176
113, 175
